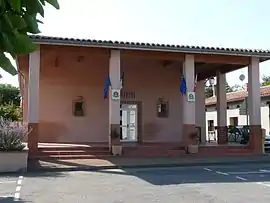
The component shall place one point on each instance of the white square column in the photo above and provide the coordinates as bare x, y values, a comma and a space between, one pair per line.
114, 105
33, 100
200, 109
254, 97
254, 105
222, 128
188, 73
189, 124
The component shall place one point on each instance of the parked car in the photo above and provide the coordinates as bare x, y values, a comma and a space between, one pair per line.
267, 144
238, 134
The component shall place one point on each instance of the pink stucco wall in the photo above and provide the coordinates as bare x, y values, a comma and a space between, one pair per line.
150, 79
63, 77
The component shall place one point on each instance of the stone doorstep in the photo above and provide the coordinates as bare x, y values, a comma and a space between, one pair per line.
133, 153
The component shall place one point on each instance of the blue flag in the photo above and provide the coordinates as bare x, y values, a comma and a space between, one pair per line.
107, 87
122, 80
183, 86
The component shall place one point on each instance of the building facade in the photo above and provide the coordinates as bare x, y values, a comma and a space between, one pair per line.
64, 81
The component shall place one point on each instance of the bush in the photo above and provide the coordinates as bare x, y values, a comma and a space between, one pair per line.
11, 112
12, 135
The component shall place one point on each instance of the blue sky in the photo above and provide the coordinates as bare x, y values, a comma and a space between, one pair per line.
226, 23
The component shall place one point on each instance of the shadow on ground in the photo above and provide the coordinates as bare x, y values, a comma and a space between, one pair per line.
175, 176
11, 199
155, 176
34, 174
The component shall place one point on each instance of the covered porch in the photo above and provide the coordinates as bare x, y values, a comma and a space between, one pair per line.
159, 81
224, 134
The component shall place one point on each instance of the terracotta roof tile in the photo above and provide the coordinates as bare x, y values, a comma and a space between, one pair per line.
239, 95
149, 46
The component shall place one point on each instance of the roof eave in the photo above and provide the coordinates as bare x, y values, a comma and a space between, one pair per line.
233, 100
85, 43
228, 101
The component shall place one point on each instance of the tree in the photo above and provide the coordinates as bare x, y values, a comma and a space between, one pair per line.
235, 88
208, 92
9, 94
10, 102
265, 80
209, 89
228, 88
18, 18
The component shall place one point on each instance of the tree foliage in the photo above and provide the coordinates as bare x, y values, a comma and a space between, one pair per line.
265, 80
209, 89
235, 88
10, 103
18, 18
9, 94
10, 112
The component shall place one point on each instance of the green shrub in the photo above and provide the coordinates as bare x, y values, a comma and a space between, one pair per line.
10, 112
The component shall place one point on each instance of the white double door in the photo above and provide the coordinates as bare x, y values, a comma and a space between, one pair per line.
129, 122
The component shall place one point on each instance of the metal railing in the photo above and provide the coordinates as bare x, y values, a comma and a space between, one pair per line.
236, 134
212, 136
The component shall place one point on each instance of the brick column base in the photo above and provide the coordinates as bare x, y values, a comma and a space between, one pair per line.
33, 138
255, 139
222, 134
187, 129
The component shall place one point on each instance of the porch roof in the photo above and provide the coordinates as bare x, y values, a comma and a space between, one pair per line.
208, 59
262, 54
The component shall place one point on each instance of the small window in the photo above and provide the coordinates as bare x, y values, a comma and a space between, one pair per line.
162, 108
78, 106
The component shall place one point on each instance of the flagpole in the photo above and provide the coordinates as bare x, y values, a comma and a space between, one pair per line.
121, 111
195, 82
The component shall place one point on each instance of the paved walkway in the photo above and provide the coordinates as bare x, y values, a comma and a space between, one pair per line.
118, 162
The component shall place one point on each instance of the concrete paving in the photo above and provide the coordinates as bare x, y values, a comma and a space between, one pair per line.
201, 184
